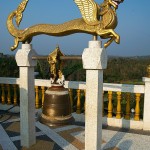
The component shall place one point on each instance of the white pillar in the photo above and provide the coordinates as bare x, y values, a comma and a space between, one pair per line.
146, 113
27, 94
94, 61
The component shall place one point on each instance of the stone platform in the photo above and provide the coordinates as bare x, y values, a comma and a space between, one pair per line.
69, 137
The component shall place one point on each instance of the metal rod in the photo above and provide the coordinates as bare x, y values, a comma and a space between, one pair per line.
95, 38
71, 57
39, 57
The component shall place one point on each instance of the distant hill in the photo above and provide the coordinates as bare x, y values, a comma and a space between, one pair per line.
130, 57
8, 66
119, 70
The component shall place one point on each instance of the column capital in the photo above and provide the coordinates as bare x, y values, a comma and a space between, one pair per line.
24, 56
146, 79
94, 57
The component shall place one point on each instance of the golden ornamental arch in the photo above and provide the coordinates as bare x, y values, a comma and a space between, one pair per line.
98, 20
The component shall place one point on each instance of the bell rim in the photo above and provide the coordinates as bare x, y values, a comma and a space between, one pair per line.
55, 121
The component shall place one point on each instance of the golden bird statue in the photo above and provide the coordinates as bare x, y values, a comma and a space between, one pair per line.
97, 20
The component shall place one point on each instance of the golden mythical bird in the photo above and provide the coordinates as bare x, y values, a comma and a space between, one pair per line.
96, 19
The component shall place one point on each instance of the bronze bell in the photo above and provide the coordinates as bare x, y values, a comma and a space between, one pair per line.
56, 107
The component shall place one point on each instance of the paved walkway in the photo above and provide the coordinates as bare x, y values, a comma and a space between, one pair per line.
69, 137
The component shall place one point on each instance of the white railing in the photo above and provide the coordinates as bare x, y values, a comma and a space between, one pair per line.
113, 121
108, 87
81, 85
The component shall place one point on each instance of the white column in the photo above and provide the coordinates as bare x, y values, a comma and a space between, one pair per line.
94, 61
146, 113
27, 94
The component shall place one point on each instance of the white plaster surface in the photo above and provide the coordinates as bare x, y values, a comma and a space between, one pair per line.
15, 109
81, 85
5, 107
79, 117
27, 106
108, 87
121, 123
145, 79
24, 56
75, 85
10, 120
39, 82
27, 94
146, 116
17, 138
123, 88
94, 61
7, 80
93, 107
94, 57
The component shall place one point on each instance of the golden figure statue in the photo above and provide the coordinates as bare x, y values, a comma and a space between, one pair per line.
56, 74
98, 20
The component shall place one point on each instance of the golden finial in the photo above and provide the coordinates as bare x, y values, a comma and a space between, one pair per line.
97, 20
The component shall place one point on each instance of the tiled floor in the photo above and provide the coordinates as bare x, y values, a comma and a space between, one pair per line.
69, 137
10, 129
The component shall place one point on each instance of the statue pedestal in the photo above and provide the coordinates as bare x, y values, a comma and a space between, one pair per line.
94, 61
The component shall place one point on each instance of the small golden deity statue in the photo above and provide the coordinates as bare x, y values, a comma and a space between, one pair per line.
97, 20
56, 75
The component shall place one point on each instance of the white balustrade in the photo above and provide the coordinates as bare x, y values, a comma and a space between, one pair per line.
127, 88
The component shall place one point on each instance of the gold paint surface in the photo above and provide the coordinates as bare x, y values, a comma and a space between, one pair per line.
55, 64
98, 20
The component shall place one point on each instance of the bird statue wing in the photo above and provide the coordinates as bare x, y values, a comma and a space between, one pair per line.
89, 11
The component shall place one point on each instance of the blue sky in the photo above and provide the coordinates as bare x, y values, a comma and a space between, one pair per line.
133, 27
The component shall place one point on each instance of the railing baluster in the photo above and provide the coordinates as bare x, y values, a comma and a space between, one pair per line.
3, 94
78, 111
128, 97
8, 94
110, 105
43, 94
118, 111
37, 103
137, 107
71, 98
15, 94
